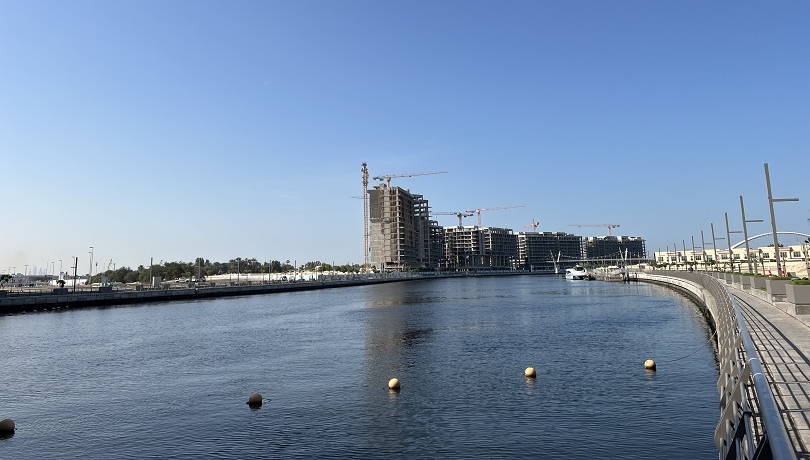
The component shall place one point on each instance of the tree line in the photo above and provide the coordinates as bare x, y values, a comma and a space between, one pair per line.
201, 268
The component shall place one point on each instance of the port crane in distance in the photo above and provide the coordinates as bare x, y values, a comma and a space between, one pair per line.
478, 210
609, 226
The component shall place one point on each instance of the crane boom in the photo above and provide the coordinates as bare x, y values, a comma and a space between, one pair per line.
478, 211
387, 177
459, 214
609, 226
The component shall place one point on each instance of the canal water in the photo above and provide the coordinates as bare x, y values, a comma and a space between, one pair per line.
171, 380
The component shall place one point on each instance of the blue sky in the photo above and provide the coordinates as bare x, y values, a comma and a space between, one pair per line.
185, 129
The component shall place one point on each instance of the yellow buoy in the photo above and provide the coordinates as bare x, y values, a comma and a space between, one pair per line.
393, 384
255, 399
6, 425
649, 365
530, 372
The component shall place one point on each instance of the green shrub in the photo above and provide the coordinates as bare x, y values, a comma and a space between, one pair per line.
779, 278
800, 282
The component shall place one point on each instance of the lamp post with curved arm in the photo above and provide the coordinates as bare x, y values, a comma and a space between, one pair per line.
745, 235
771, 201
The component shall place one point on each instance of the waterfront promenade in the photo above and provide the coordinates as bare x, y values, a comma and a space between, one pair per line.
781, 341
783, 345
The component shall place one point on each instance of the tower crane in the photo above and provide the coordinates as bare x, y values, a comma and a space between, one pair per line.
460, 215
609, 226
533, 225
364, 170
478, 211
387, 177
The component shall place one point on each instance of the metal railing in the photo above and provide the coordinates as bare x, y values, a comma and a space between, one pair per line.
751, 425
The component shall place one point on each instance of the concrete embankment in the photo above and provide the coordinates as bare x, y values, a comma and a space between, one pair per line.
21, 302
691, 289
29, 302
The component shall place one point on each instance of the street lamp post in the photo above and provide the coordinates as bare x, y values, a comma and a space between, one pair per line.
771, 201
90, 276
675, 249
745, 235
728, 240
703, 250
75, 267
714, 244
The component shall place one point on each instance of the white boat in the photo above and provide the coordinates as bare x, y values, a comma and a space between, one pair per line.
576, 272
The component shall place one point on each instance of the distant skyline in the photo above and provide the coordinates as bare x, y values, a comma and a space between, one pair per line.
189, 129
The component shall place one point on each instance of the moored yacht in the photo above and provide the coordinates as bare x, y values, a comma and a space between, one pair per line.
576, 272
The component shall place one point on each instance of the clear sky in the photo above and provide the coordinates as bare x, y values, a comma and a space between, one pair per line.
223, 129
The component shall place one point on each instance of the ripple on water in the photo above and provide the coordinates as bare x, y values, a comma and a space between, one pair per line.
171, 380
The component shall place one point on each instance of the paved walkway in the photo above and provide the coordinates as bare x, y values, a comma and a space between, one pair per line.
783, 344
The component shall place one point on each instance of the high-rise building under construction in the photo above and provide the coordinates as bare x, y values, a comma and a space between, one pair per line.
401, 232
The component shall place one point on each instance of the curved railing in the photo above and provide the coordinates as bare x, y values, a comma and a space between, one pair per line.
750, 423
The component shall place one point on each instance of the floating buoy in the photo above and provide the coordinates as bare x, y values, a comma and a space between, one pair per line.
255, 400
530, 373
649, 365
6, 425
393, 384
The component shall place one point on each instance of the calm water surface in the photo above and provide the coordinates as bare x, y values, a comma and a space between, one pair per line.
171, 380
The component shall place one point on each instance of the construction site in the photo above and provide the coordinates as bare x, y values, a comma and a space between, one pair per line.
399, 234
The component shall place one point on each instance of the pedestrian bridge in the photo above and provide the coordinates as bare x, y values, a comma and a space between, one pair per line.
764, 382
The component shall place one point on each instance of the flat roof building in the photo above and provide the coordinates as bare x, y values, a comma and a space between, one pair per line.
611, 248
542, 250
473, 247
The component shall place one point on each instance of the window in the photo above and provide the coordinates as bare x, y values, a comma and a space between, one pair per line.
736, 257
797, 254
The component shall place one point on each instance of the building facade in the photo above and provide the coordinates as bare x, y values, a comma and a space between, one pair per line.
614, 248
399, 229
760, 259
473, 247
546, 250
